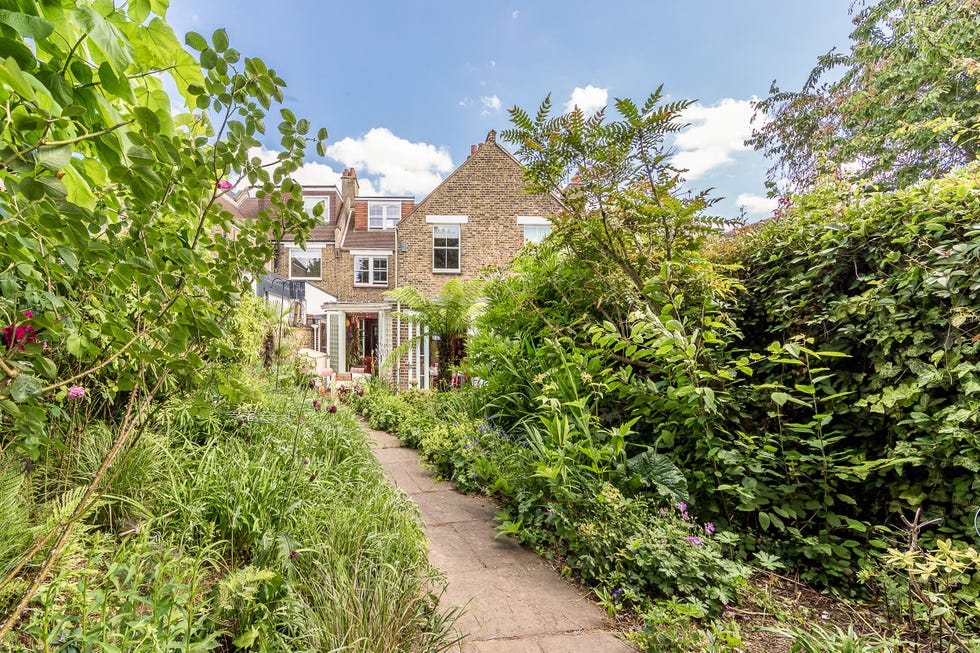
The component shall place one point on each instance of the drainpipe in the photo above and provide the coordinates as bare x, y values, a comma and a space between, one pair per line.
398, 327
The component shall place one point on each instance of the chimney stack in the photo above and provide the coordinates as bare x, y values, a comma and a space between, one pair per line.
348, 186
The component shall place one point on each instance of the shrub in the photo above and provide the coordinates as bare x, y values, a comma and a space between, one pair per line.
386, 412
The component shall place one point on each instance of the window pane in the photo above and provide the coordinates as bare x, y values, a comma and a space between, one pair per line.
383, 215
445, 231
380, 271
445, 247
310, 202
536, 233
304, 264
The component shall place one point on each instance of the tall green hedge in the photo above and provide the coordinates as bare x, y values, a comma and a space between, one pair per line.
892, 280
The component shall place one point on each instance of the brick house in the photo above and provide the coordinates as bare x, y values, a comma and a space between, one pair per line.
477, 219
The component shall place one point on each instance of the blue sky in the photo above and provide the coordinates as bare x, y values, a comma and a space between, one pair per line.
405, 88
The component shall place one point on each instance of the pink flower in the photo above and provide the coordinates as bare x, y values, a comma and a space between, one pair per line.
19, 335
224, 184
332, 408
316, 405
709, 528
696, 541
76, 392
681, 506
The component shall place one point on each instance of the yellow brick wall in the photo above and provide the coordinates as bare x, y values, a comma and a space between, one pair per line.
489, 189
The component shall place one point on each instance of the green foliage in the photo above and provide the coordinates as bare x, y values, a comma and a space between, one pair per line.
554, 478
900, 106
118, 265
135, 478
447, 318
14, 518
819, 639
671, 627
626, 544
146, 595
277, 532
252, 602
615, 179
891, 281
934, 592
386, 411
246, 328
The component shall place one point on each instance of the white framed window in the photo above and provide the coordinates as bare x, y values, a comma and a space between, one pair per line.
445, 248
305, 265
310, 202
370, 270
384, 215
535, 233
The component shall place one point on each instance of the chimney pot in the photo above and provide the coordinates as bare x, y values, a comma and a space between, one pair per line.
492, 136
472, 149
352, 173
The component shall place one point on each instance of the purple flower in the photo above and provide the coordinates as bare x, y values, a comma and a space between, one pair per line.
681, 506
693, 539
332, 408
709, 528
76, 392
316, 405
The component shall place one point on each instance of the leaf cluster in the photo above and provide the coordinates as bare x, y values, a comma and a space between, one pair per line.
113, 239
899, 107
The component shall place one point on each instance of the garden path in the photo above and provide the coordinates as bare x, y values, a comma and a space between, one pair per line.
514, 601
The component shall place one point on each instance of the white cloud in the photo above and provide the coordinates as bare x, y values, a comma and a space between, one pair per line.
312, 173
715, 133
493, 64
589, 99
401, 166
491, 105
514, 14
756, 204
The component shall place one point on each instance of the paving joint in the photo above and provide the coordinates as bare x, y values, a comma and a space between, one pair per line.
512, 600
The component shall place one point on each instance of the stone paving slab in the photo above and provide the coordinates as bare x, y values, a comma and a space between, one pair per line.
513, 601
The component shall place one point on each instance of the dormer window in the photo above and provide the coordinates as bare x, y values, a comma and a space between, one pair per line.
384, 215
310, 202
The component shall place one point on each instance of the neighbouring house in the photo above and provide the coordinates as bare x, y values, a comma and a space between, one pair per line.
477, 219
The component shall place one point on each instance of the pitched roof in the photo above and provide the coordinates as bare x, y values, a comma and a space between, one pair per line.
251, 207
379, 239
479, 152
